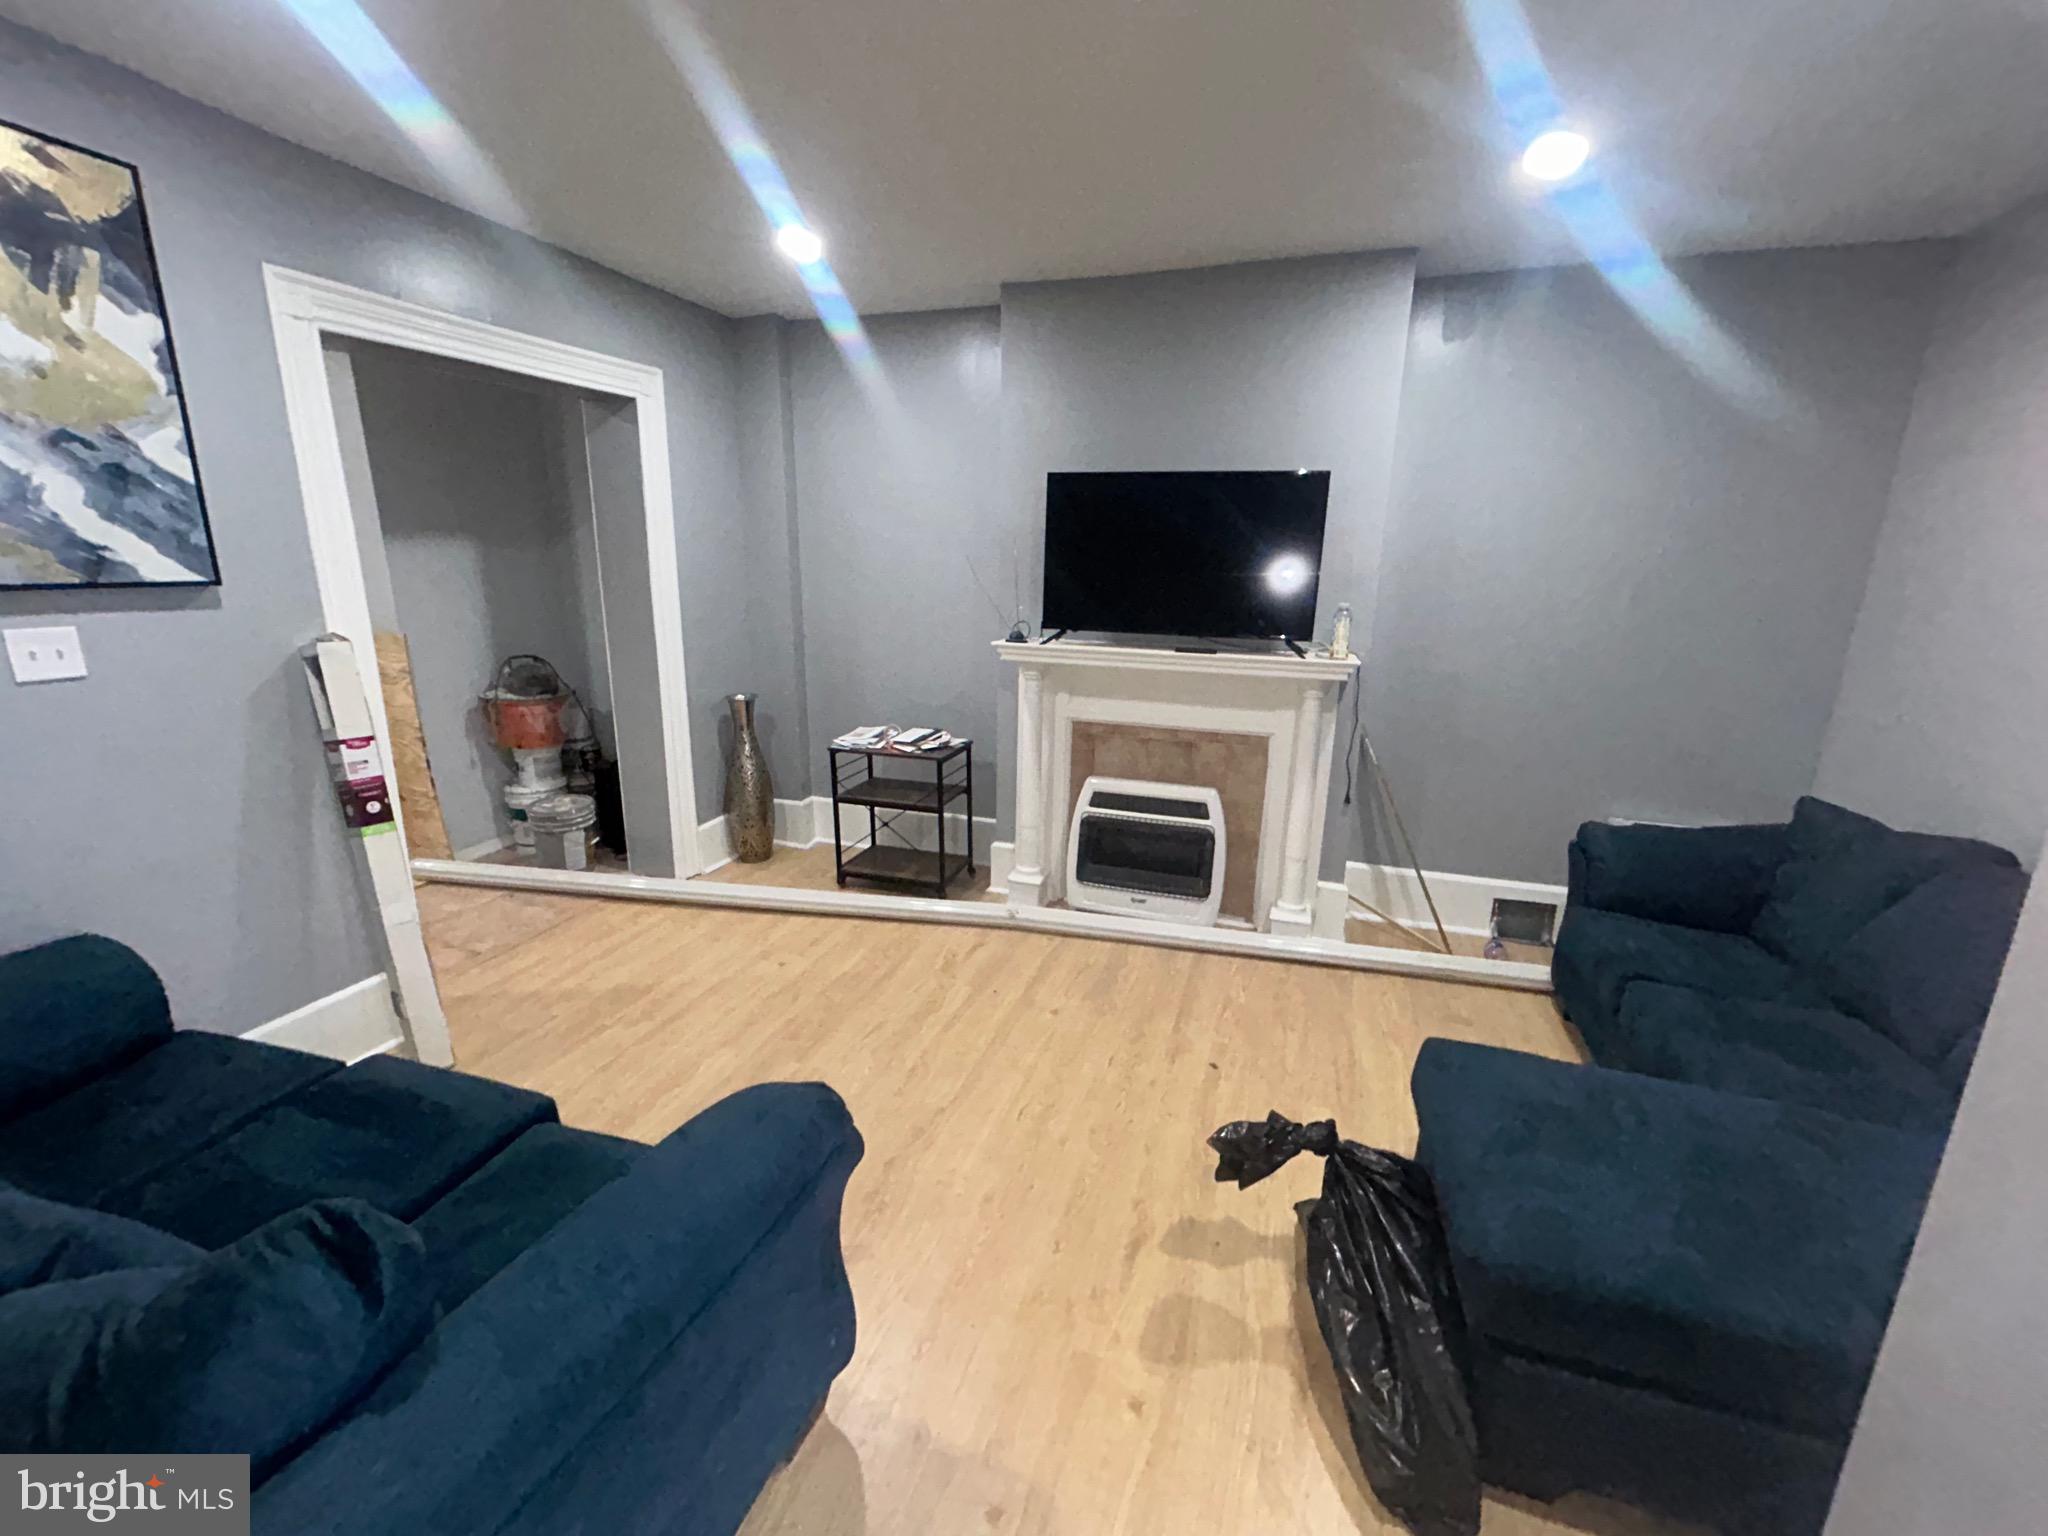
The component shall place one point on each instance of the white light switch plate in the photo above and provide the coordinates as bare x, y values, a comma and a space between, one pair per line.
45, 655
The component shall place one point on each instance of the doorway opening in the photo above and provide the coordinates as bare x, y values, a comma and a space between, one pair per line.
494, 516
472, 492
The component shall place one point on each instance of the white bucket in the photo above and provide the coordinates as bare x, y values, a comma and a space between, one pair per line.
561, 829
538, 767
521, 799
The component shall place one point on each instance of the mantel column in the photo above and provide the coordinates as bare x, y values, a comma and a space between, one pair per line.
1293, 912
1027, 868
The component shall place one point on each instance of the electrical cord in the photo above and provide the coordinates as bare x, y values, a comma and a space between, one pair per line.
1357, 731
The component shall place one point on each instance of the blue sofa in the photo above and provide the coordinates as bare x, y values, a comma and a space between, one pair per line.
417, 1300
1830, 961
1676, 1263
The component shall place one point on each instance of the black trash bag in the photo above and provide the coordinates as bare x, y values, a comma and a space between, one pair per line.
1381, 1284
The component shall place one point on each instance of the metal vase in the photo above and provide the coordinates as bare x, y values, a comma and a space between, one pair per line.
749, 795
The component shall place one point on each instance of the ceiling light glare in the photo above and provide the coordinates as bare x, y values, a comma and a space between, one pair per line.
1555, 155
799, 244
1287, 574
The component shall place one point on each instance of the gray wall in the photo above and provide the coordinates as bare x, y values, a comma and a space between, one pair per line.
1278, 364
1943, 719
482, 551
767, 451
1949, 1439
610, 433
177, 798
589, 664
896, 502
1609, 589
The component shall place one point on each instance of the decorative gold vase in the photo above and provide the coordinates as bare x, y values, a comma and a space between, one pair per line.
749, 794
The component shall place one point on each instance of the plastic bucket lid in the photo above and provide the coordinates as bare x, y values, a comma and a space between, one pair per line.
557, 812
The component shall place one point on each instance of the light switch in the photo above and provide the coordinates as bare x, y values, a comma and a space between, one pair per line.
45, 655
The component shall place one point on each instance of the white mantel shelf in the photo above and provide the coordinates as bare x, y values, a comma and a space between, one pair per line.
1281, 666
1287, 699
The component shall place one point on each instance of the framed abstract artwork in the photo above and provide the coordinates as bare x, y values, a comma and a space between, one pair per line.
98, 483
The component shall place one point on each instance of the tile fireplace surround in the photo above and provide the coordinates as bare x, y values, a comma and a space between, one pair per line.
1284, 701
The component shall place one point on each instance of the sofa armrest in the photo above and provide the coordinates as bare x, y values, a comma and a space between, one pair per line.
1467, 1093
71, 1010
1715, 878
503, 1394
1736, 1252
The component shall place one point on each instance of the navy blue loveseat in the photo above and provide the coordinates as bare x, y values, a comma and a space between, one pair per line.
417, 1300
1676, 1263
1829, 961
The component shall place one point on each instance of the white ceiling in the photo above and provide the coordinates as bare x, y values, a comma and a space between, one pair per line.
945, 146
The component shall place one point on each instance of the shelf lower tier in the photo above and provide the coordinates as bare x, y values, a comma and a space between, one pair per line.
902, 866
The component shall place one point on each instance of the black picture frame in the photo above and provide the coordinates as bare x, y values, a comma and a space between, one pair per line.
155, 289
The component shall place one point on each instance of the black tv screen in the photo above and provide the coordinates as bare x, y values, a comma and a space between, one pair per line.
1223, 554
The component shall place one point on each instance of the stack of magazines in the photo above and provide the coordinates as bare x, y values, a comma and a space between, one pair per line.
895, 738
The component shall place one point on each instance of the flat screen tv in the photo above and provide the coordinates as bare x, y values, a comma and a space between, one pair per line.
1231, 554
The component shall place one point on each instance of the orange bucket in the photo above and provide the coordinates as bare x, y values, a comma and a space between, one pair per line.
523, 707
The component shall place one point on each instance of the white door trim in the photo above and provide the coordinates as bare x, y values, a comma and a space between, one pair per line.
303, 308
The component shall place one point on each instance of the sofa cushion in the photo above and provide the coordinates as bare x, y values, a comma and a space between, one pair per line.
1841, 870
69, 1011
1815, 1056
1696, 877
513, 1201
387, 1131
1599, 954
1729, 1251
164, 1106
43, 1240
1924, 972
247, 1350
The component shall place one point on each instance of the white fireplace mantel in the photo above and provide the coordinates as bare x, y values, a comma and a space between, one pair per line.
1290, 700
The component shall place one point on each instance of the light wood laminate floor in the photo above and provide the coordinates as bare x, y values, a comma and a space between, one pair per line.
1065, 1325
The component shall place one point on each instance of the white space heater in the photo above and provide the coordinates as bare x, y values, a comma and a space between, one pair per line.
1147, 850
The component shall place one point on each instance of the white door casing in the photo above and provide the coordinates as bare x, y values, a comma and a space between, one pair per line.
306, 309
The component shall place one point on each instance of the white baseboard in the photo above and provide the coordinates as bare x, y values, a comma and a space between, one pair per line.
1330, 909
797, 825
1465, 902
357, 1021
713, 846
808, 822
482, 850
803, 823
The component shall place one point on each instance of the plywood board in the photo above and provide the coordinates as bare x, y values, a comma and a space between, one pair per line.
426, 834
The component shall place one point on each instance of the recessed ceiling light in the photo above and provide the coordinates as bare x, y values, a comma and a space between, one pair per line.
799, 244
1555, 155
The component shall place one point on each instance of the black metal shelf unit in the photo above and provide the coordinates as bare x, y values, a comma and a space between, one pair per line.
889, 787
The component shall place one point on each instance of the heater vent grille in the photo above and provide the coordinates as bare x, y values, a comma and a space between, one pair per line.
1147, 850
